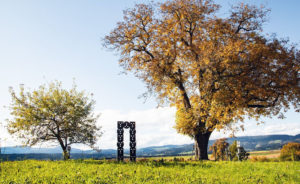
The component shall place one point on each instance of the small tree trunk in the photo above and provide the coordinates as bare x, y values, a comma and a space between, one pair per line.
66, 154
215, 153
201, 143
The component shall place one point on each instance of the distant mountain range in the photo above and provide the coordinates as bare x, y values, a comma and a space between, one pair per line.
250, 143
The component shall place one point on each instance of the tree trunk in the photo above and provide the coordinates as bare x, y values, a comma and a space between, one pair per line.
201, 143
66, 154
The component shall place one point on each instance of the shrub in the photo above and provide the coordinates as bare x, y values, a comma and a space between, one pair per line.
220, 149
143, 160
233, 151
260, 159
290, 152
243, 155
175, 159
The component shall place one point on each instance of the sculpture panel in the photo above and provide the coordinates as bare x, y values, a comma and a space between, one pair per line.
120, 144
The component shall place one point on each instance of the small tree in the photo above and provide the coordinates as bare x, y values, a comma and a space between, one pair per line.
290, 152
220, 149
233, 151
51, 114
242, 154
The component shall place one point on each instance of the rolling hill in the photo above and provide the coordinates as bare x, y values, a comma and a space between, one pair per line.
250, 143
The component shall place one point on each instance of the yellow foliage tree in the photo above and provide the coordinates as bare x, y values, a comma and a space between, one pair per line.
215, 70
290, 151
220, 149
53, 114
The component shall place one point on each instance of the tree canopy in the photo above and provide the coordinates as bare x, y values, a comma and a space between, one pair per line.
290, 152
220, 149
53, 114
215, 70
233, 151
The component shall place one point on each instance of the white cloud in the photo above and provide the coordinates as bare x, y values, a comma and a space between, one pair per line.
155, 127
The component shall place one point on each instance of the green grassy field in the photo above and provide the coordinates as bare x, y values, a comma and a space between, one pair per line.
90, 171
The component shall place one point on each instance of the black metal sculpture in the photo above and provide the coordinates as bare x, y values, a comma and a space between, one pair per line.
120, 143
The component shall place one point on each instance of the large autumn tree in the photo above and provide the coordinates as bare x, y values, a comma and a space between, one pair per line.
215, 70
53, 114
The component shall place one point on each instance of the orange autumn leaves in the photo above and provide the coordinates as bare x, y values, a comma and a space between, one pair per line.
215, 70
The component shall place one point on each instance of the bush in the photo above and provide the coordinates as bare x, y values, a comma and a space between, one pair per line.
233, 151
290, 152
220, 149
178, 159
263, 159
142, 160
243, 155
260, 159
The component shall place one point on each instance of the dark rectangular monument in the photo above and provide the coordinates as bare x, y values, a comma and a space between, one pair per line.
120, 144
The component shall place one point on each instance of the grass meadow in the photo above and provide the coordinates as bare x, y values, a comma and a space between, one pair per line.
148, 171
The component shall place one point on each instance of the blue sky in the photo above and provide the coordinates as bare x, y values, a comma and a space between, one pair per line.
42, 41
